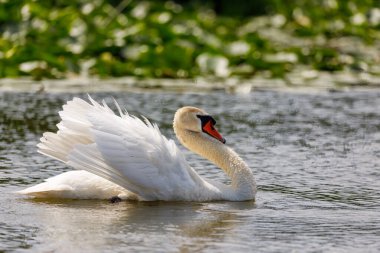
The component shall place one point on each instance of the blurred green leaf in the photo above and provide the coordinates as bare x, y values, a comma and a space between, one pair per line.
183, 39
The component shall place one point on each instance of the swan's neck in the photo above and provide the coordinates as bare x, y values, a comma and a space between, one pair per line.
243, 185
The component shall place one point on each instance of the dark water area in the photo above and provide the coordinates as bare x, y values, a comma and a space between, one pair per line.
315, 157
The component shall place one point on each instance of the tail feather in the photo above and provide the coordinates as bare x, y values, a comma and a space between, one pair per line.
77, 184
74, 144
74, 129
46, 190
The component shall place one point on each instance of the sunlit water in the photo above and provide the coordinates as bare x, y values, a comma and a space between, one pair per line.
316, 159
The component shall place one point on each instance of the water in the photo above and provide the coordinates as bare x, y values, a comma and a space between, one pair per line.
316, 159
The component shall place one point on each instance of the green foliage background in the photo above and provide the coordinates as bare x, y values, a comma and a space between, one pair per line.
183, 39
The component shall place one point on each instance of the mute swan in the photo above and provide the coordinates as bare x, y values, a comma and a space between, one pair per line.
126, 157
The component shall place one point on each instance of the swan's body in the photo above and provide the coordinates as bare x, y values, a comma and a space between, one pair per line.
125, 157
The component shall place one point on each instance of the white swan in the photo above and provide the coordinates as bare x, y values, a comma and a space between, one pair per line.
123, 156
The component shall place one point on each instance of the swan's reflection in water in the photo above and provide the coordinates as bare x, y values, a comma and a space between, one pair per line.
78, 226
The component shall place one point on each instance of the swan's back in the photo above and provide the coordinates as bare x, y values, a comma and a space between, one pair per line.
124, 150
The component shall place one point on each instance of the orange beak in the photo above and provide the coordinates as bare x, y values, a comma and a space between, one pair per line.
210, 130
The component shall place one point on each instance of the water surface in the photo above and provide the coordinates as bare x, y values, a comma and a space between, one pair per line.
316, 159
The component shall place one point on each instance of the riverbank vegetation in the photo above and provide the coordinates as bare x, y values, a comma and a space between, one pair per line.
184, 39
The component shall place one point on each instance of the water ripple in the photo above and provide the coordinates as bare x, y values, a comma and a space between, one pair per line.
316, 159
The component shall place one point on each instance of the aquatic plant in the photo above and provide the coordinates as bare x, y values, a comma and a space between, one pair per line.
61, 39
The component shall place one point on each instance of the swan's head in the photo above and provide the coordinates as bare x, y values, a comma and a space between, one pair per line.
198, 121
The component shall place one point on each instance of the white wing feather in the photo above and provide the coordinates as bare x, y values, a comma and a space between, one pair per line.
122, 149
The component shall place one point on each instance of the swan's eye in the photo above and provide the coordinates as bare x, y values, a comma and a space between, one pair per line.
208, 123
205, 119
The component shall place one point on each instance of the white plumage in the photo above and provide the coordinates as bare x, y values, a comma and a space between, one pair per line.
118, 155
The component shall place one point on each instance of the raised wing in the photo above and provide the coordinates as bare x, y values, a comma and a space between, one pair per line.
123, 149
